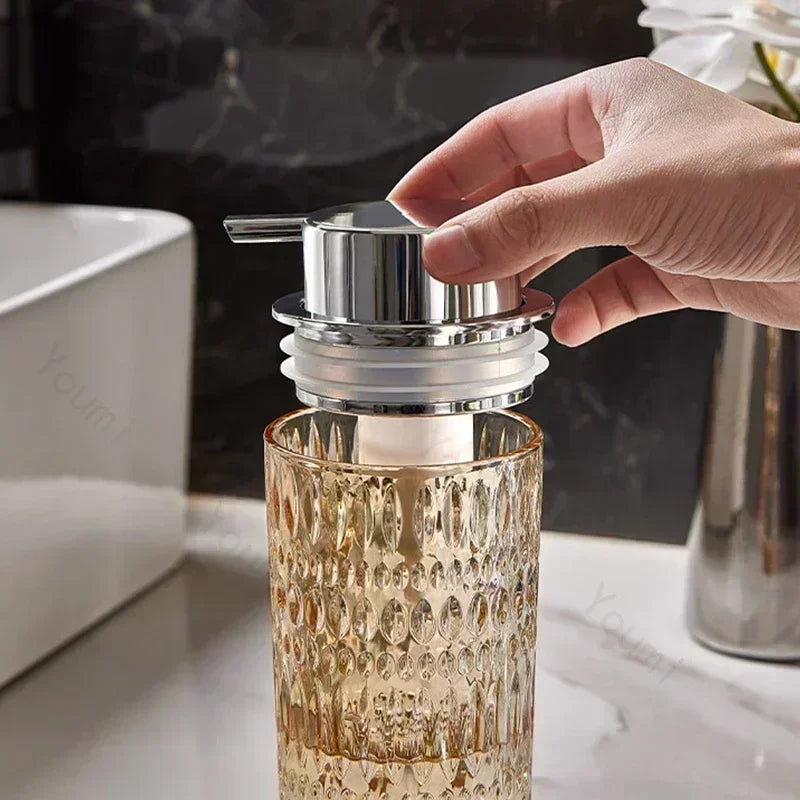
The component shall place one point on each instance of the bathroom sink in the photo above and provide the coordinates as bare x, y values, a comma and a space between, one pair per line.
95, 343
173, 696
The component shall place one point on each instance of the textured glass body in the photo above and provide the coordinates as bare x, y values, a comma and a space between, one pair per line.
403, 614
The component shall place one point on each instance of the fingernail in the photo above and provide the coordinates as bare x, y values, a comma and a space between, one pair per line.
448, 251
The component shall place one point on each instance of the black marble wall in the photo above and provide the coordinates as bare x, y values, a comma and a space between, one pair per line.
17, 128
208, 107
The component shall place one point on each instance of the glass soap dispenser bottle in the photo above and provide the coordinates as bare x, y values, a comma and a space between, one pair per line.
403, 513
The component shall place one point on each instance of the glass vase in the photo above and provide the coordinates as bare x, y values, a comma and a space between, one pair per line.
403, 614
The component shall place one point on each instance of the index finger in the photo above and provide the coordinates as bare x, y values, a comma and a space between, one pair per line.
537, 125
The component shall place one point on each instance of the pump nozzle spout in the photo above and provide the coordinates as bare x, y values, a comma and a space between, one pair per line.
270, 228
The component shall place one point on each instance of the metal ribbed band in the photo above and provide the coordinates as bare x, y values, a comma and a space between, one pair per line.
535, 307
415, 409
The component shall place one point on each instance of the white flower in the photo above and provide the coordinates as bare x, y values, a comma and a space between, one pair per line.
712, 41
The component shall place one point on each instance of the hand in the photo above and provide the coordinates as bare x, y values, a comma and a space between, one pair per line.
703, 190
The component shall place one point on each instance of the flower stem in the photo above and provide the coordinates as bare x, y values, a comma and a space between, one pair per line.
791, 102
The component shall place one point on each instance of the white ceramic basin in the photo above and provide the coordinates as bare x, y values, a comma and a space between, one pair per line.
95, 344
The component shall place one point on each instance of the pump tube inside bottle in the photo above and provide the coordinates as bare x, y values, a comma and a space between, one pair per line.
415, 441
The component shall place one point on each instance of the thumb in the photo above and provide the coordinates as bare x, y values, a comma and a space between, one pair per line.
604, 203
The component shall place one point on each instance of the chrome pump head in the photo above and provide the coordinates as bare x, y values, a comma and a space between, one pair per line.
376, 334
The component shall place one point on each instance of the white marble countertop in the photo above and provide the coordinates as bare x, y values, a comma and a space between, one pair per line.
172, 696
